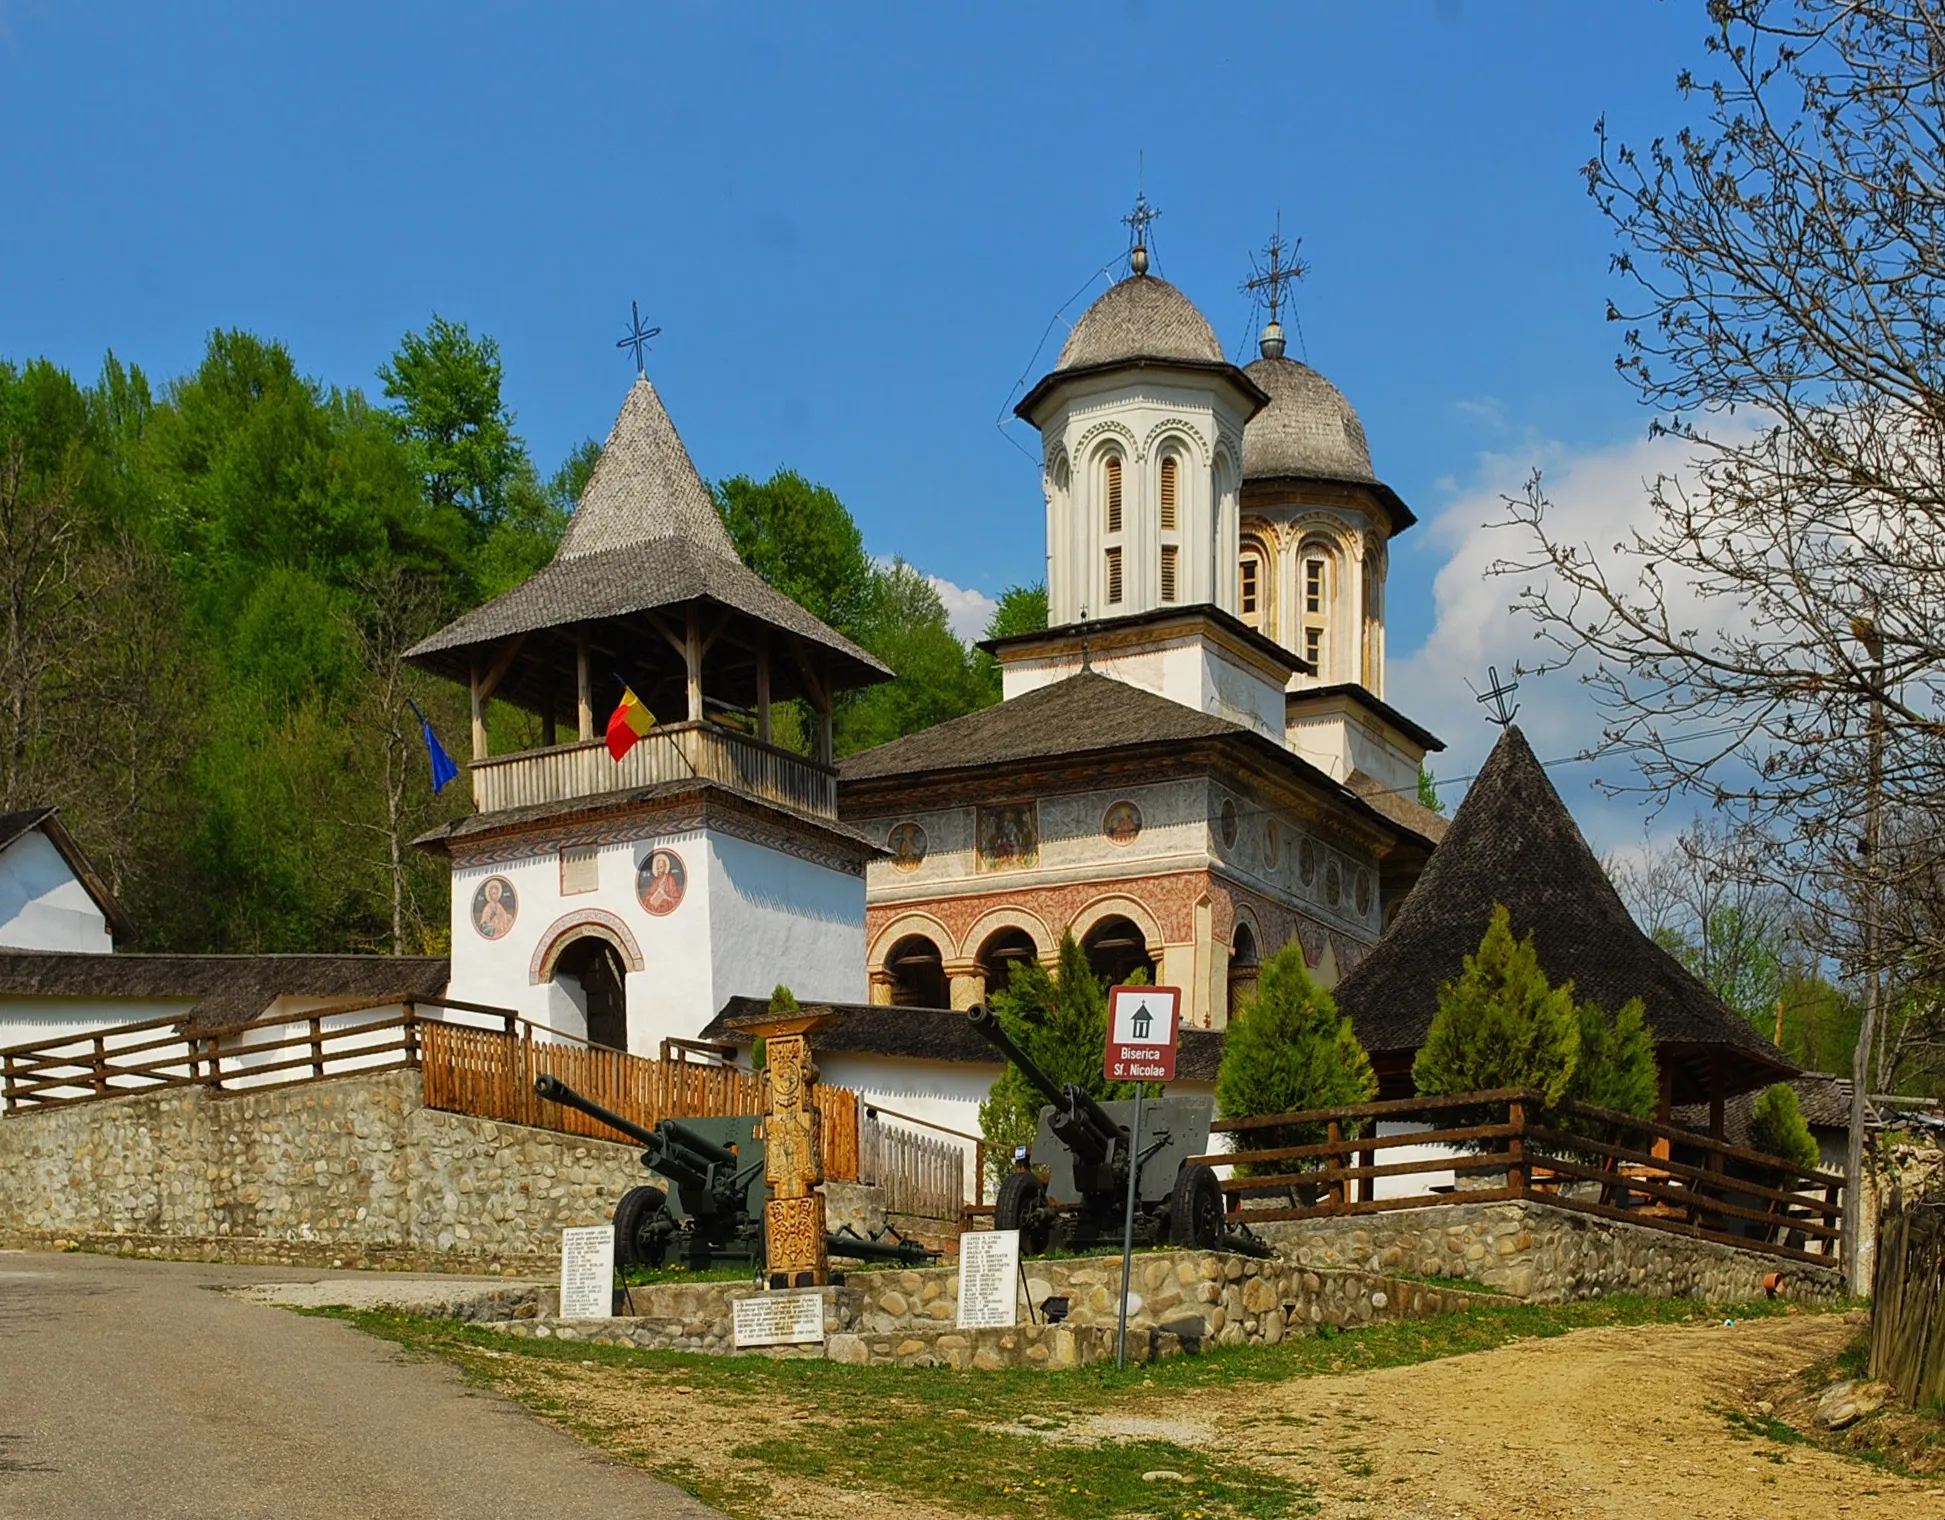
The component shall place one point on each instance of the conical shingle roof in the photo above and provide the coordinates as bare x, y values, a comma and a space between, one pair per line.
1513, 841
644, 487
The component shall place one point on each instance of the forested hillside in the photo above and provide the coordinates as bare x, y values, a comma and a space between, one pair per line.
205, 585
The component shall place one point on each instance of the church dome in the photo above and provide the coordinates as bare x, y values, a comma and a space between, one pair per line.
1141, 317
1308, 430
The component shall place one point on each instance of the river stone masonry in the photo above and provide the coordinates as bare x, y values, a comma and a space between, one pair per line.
1543, 1254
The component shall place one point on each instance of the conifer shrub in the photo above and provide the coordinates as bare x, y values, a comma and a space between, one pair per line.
1616, 1068
1501, 1024
1778, 1127
1287, 1050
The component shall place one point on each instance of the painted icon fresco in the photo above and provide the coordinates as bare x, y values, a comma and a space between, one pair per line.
495, 906
1009, 837
662, 882
907, 844
1121, 823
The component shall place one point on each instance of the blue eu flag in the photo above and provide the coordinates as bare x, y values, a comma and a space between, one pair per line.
443, 770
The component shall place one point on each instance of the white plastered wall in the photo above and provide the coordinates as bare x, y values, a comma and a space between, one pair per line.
43, 906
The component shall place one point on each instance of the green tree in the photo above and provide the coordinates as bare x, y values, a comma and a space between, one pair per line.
937, 676
444, 386
1500, 1024
1776, 1126
802, 540
1428, 788
1021, 609
1061, 1022
1288, 1049
1616, 1067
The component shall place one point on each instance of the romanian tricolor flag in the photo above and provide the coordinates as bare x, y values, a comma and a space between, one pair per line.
631, 721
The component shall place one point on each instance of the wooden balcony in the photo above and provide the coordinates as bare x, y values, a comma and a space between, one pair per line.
672, 752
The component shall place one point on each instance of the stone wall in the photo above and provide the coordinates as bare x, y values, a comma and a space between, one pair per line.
1545, 1254
1178, 1301
356, 1168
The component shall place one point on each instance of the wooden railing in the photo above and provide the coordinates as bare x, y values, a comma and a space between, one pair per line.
671, 752
1507, 1144
484, 1072
921, 1174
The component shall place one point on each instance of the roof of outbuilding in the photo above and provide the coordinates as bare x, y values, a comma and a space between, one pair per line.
1141, 317
47, 819
1513, 841
225, 989
929, 1034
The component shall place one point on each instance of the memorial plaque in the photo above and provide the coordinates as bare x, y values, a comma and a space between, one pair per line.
588, 1272
780, 1319
989, 1279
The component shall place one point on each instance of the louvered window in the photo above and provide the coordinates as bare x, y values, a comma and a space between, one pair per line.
1114, 575
1168, 572
1114, 500
1252, 593
1313, 585
1169, 472
1313, 647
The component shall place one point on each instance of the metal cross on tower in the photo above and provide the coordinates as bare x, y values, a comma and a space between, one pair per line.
1495, 694
638, 336
1277, 266
1137, 223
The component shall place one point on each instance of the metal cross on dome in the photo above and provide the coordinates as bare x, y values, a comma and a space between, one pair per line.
1496, 693
1137, 222
638, 336
1277, 266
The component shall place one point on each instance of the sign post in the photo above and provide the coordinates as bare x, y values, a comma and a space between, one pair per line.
1143, 1023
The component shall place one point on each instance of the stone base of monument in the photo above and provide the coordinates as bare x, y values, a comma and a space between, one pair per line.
1180, 1302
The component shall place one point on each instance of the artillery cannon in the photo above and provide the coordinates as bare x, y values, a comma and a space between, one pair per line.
1084, 1145
715, 1167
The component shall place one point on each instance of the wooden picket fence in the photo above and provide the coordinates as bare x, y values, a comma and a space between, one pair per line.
921, 1174
1908, 1301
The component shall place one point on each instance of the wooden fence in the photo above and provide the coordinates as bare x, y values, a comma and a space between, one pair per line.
1507, 1144
1908, 1301
486, 1073
921, 1174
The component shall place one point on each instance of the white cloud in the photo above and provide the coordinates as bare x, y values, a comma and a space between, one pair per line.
967, 609
1596, 496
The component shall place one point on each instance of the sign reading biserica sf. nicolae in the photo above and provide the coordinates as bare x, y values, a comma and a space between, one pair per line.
1142, 1025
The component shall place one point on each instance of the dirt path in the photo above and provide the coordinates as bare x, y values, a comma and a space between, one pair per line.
1621, 1423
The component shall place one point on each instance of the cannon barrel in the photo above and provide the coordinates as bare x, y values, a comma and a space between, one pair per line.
848, 1242
556, 1091
1080, 1123
674, 1133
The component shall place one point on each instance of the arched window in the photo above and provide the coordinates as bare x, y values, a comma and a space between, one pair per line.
1255, 586
1170, 470
1004, 951
1116, 950
1244, 969
918, 974
1113, 495
1316, 591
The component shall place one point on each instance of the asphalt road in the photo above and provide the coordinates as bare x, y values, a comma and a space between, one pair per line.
130, 1390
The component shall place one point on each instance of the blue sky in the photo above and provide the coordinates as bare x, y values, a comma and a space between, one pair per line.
854, 224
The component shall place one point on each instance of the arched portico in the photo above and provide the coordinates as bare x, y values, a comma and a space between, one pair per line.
569, 927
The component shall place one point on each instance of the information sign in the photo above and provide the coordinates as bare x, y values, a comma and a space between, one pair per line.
588, 1272
780, 1319
989, 1279
1142, 1026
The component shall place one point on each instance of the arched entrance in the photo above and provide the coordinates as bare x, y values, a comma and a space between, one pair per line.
1002, 953
590, 972
1116, 950
1245, 969
918, 974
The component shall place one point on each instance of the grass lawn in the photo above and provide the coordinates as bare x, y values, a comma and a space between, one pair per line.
740, 1431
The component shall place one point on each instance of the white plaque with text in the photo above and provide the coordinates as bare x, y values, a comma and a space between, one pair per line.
989, 1279
780, 1319
588, 1272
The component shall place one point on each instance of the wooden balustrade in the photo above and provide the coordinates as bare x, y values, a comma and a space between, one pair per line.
1508, 1144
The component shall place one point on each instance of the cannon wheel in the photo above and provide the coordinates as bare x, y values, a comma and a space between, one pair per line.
637, 1207
1195, 1209
1021, 1204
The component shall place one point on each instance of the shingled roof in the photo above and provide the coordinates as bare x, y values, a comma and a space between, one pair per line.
224, 989
1513, 841
645, 536
47, 820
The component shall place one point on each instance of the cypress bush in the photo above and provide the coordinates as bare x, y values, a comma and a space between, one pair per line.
1616, 1068
1288, 1049
1777, 1126
1500, 1024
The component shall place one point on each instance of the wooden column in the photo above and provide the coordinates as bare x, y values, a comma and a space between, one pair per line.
1516, 1147
585, 696
763, 691
692, 653
479, 715
1664, 1108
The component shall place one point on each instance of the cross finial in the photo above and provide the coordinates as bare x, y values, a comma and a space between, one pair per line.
1137, 223
1276, 266
638, 336
1495, 694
